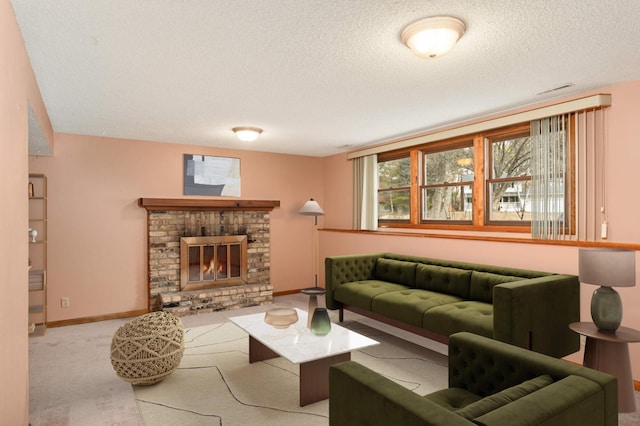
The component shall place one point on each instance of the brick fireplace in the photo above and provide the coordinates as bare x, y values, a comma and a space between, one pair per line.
222, 226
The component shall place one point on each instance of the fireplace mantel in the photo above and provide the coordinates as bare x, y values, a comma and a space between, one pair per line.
164, 204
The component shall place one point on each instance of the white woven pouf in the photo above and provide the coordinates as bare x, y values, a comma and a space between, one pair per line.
147, 349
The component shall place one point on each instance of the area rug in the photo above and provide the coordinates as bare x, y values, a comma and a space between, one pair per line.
216, 385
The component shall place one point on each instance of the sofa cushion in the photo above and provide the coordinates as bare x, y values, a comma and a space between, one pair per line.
482, 284
497, 400
572, 400
396, 271
409, 305
452, 398
361, 293
443, 280
476, 317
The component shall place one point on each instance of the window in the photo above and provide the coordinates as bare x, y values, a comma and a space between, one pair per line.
509, 179
394, 189
478, 182
446, 192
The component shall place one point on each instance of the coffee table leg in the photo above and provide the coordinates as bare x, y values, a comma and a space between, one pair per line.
259, 352
314, 378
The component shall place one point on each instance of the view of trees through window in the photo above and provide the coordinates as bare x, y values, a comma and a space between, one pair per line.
510, 178
447, 189
484, 180
394, 186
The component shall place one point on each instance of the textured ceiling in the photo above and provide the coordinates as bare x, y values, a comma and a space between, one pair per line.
319, 76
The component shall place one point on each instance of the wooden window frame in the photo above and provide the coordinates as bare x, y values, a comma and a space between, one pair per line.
481, 210
450, 145
391, 157
497, 137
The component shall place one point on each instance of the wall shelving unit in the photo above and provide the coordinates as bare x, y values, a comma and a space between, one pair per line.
37, 254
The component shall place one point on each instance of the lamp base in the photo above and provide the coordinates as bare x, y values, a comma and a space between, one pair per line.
606, 309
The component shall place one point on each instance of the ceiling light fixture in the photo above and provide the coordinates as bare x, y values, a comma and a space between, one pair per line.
247, 134
433, 37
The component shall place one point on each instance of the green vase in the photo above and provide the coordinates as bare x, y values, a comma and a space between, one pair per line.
320, 322
606, 309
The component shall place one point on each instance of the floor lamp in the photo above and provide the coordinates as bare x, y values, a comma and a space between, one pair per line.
312, 208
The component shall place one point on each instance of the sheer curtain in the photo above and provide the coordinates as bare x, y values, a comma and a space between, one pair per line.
365, 193
549, 203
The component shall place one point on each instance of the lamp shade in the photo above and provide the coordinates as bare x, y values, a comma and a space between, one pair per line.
311, 208
607, 267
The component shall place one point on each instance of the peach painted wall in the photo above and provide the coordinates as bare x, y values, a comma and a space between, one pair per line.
97, 232
18, 87
622, 155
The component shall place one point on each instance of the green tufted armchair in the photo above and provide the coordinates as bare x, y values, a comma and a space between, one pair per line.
490, 383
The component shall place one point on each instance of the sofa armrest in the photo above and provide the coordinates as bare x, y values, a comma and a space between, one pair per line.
360, 396
536, 313
345, 269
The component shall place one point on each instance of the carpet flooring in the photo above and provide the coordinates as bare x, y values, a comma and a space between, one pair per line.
216, 385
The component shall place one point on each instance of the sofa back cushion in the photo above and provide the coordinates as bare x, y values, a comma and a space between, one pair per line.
497, 400
482, 284
453, 281
396, 271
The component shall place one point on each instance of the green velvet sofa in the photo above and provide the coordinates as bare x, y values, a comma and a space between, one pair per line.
490, 383
436, 298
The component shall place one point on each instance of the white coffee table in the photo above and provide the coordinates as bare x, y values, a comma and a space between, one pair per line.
315, 354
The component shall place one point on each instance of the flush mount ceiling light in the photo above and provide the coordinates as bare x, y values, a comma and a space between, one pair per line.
433, 37
247, 134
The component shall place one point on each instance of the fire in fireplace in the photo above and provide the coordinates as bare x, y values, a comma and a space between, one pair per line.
214, 261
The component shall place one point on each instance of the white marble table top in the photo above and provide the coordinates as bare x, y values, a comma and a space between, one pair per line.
296, 343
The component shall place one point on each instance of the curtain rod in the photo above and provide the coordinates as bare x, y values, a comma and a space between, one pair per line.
594, 101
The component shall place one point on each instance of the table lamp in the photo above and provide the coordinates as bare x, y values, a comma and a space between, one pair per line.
608, 268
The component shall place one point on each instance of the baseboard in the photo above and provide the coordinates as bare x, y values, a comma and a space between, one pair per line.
97, 318
286, 292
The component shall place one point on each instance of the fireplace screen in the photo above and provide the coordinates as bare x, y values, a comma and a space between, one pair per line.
213, 261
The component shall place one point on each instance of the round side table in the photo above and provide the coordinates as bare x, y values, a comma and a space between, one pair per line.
609, 353
313, 293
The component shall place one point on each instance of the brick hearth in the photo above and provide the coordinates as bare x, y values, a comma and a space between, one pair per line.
169, 220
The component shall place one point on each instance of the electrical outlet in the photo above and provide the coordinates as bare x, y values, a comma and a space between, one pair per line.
64, 302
